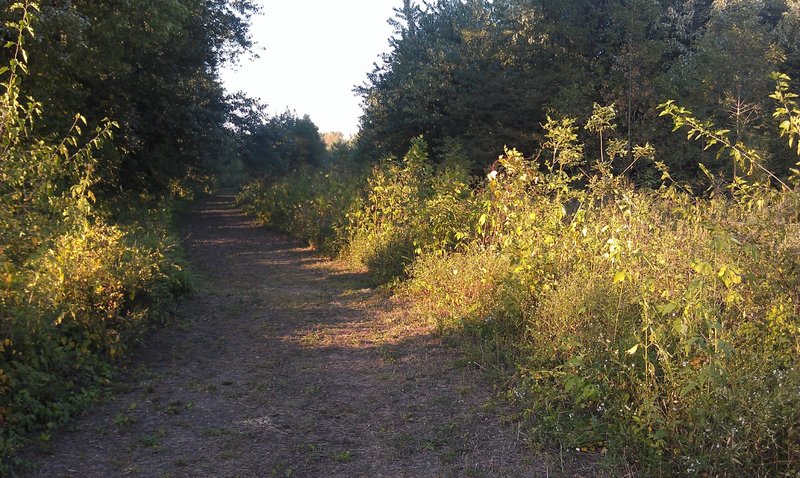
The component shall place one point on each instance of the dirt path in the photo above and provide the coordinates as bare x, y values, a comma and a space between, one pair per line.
285, 364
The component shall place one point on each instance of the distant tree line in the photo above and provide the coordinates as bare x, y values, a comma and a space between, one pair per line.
273, 145
481, 74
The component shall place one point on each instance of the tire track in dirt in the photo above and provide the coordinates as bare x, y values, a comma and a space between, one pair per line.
287, 364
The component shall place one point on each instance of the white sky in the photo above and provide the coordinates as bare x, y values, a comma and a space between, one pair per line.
314, 53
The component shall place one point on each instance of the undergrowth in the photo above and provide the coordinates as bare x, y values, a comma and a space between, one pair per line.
661, 326
80, 280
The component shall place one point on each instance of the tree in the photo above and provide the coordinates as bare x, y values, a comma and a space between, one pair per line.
276, 145
726, 76
480, 74
449, 78
151, 65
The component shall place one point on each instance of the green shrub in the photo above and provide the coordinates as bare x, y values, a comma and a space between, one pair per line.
75, 288
659, 325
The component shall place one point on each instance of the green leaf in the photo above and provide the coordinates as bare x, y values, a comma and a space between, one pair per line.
706, 171
667, 308
686, 389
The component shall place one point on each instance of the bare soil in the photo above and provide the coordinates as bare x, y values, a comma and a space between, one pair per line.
287, 364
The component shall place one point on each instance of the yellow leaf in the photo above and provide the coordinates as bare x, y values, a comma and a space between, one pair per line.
619, 277
702, 267
632, 350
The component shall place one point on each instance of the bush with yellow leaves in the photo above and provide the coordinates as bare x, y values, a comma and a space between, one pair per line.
74, 288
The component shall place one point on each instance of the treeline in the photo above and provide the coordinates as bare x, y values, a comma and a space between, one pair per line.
270, 146
478, 75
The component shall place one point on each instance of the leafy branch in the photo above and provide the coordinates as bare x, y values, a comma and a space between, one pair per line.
789, 112
743, 156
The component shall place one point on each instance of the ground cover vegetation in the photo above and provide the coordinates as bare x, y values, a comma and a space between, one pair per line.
110, 113
639, 291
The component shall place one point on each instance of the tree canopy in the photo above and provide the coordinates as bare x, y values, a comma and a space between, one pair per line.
485, 73
153, 67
